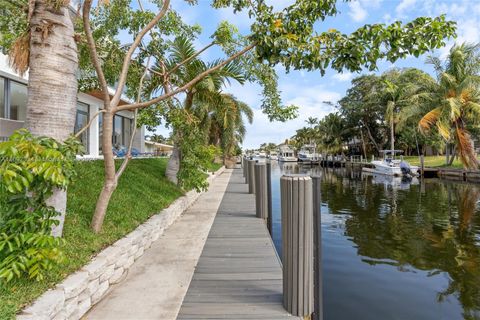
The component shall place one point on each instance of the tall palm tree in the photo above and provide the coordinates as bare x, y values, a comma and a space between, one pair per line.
227, 125
454, 99
333, 130
49, 52
197, 97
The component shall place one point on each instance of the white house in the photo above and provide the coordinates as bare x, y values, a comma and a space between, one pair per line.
13, 105
158, 149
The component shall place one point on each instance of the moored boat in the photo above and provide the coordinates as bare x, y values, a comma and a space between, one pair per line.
391, 166
307, 154
273, 155
286, 154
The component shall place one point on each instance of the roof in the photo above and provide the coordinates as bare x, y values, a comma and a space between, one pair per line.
158, 144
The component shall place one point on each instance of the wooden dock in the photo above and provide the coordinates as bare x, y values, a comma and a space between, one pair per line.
239, 274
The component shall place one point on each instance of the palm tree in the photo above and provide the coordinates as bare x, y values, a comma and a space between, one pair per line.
454, 100
199, 96
49, 52
333, 130
227, 126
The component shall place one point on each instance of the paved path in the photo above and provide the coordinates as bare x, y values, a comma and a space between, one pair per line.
238, 275
156, 284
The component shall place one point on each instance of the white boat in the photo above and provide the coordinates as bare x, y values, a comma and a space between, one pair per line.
273, 155
286, 154
390, 166
307, 154
262, 154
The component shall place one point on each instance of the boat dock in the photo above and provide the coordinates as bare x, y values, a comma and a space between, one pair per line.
239, 274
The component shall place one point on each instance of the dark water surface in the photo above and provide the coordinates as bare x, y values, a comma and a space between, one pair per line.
392, 249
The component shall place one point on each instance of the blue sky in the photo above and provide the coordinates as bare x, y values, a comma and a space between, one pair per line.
309, 89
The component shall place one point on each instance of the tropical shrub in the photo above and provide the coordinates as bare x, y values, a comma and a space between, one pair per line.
31, 168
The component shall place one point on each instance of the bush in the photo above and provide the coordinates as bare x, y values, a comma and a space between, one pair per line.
31, 169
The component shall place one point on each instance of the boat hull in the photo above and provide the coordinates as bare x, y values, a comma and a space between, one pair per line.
380, 168
287, 159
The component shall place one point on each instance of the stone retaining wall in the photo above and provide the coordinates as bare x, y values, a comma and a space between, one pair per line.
73, 297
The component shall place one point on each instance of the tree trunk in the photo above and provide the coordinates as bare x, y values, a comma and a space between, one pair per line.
453, 153
363, 144
372, 139
447, 153
52, 83
392, 135
111, 180
173, 165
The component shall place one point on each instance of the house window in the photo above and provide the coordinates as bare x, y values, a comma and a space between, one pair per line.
81, 120
127, 130
122, 131
13, 100
18, 101
118, 132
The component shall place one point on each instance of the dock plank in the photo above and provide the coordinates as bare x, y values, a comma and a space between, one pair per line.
239, 274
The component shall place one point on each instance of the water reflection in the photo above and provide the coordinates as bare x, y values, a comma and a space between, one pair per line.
396, 249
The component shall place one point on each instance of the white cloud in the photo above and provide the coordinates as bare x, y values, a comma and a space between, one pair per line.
357, 12
468, 30
250, 93
372, 3
387, 18
404, 6
342, 77
310, 102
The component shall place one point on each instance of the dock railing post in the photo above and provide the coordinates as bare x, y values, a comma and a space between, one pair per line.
269, 198
251, 176
317, 250
261, 202
297, 248
246, 169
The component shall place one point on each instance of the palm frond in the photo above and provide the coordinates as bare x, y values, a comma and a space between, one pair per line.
466, 151
428, 120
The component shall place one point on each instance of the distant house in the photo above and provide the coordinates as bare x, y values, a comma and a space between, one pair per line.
13, 106
158, 149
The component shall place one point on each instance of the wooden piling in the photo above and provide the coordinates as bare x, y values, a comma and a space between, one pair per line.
317, 250
251, 176
297, 239
269, 199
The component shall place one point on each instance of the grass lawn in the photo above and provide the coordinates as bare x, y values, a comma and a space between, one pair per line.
433, 161
143, 191
215, 166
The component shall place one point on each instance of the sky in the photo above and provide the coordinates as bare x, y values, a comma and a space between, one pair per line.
308, 90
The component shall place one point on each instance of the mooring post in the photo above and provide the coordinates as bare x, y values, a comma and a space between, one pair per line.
317, 249
244, 167
251, 176
269, 198
247, 170
261, 203
297, 240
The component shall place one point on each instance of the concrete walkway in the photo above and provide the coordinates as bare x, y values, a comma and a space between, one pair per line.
157, 283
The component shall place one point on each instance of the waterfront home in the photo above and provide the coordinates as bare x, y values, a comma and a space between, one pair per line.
13, 106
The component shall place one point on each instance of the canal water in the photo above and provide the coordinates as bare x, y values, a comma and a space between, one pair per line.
394, 249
